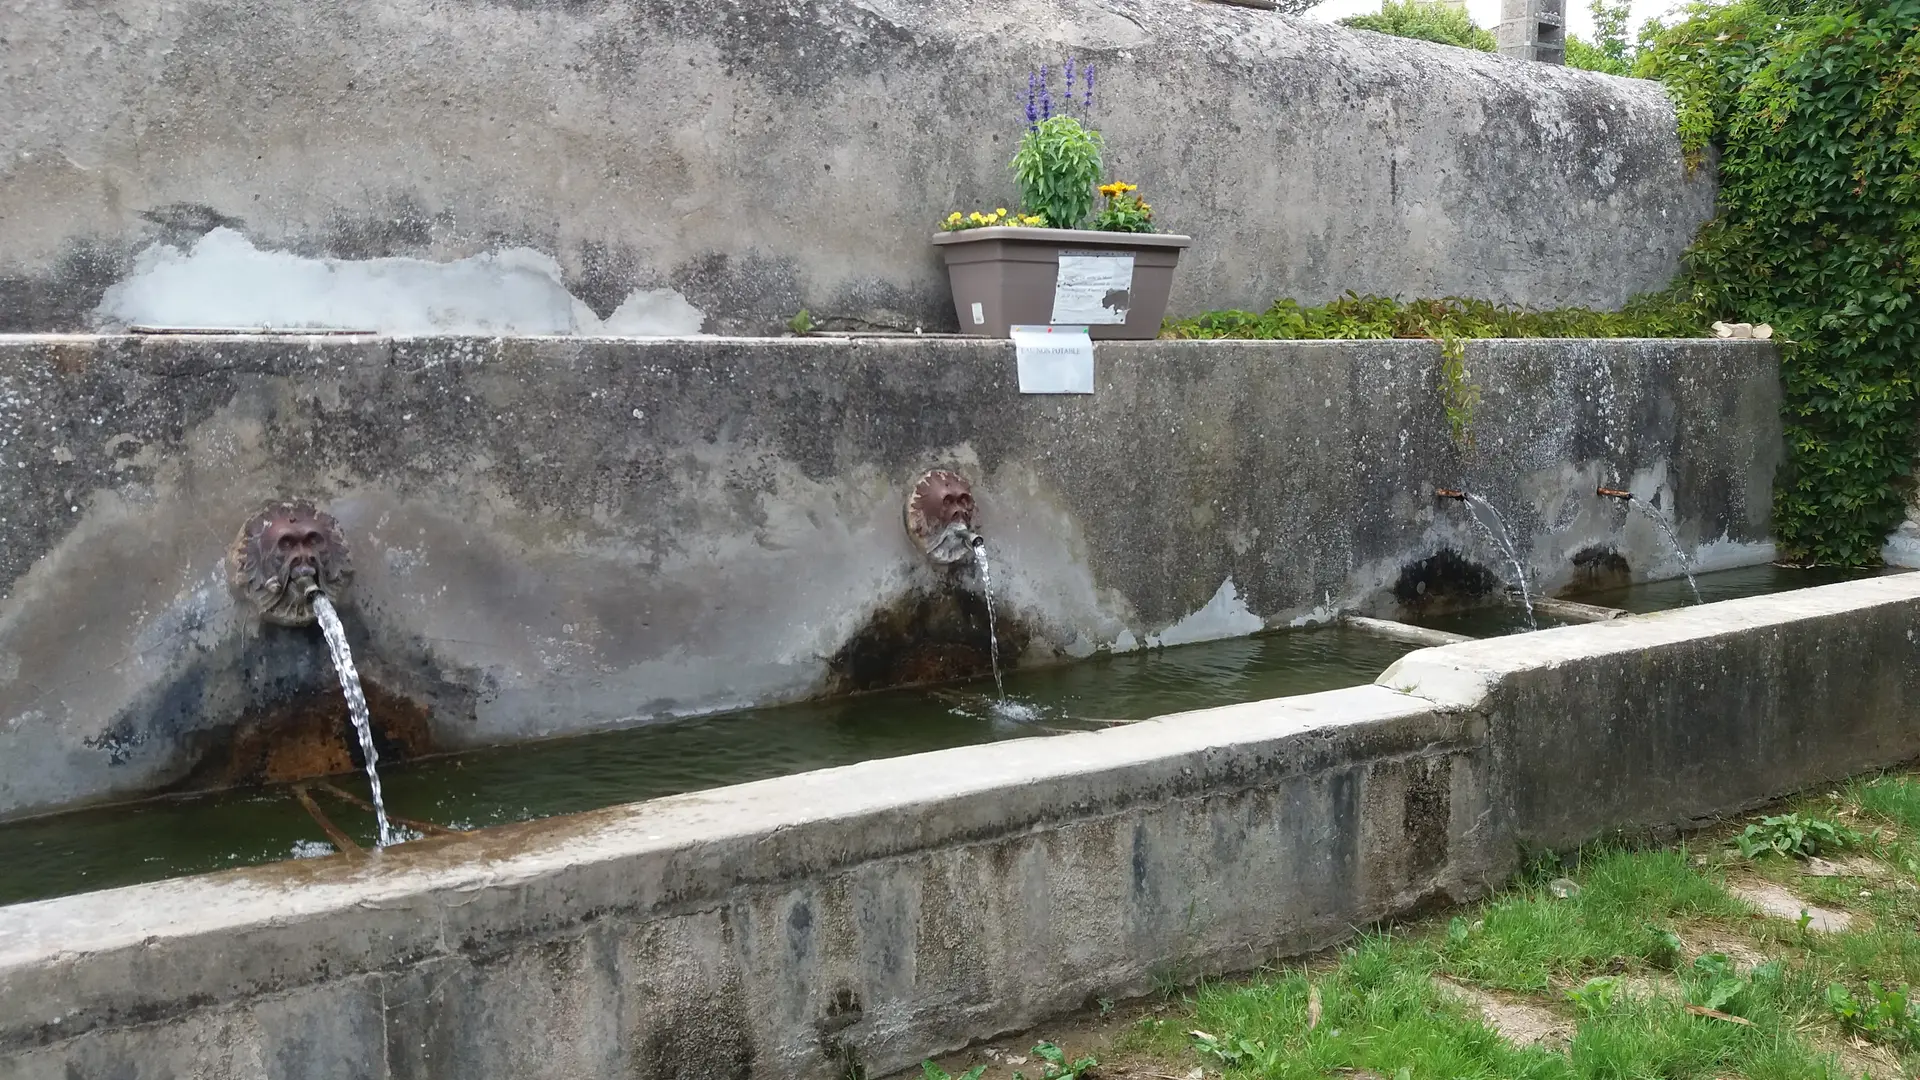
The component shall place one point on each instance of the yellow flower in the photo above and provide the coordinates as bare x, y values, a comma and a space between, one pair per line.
955, 216
1118, 187
1002, 212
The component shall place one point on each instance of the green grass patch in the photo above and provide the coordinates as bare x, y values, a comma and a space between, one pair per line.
1610, 952
1352, 316
1895, 799
1575, 950
1379, 1010
1621, 917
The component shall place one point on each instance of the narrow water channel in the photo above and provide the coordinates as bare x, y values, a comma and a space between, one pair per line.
149, 841
1498, 620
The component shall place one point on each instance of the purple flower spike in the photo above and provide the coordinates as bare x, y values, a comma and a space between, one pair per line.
1033, 99
1046, 96
1089, 86
1069, 81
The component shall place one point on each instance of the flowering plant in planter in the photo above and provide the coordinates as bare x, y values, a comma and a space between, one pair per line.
1058, 162
1125, 211
1061, 259
977, 220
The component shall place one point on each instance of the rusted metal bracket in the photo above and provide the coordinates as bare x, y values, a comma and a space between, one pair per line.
341, 841
426, 827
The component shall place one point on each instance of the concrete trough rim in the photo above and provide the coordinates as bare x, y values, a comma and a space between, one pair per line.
1142, 742
630, 851
88, 962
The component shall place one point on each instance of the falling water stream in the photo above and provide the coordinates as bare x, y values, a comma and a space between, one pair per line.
1686, 564
993, 635
356, 705
1504, 541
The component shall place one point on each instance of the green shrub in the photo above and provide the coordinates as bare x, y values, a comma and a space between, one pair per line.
1813, 108
1425, 21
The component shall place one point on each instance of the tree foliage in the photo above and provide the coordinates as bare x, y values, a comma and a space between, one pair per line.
1425, 21
1609, 52
1812, 109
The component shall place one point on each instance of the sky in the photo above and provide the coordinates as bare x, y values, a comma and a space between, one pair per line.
1487, 13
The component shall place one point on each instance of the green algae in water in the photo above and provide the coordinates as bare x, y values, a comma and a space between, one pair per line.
150, 841
1764, 580
1499, 620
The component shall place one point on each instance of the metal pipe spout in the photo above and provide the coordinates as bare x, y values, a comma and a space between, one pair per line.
1614, 493
1450, 493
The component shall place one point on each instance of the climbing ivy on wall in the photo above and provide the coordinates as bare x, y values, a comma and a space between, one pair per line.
1813, 110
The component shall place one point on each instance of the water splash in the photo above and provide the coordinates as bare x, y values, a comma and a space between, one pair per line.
1673, 541
356, 705
1503, 540
993, 634
1009, 711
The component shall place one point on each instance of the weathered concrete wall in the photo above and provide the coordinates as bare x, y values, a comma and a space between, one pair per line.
1676, 717
756, 160
897, 908
554, 535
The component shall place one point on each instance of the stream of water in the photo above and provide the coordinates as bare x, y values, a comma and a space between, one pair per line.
1686, 564
1504, 541
993, 634
336, 635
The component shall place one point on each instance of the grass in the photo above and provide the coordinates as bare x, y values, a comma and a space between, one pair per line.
1575, 954
1368, 317
1894, 799
1621, 918
1646, 967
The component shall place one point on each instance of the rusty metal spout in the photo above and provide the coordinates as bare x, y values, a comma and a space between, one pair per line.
1450, 493
1614, 493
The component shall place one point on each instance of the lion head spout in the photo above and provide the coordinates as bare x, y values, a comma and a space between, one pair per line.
940, 516
284, 554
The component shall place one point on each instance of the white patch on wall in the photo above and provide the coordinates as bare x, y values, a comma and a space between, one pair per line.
1723, 554
1903, 547
1224, 616
224, 281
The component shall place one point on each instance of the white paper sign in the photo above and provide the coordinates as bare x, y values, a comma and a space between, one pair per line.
1093, 287
1053, 359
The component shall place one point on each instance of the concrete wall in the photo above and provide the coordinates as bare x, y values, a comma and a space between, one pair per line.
897, 908
1675, 717
613, 165
560, 534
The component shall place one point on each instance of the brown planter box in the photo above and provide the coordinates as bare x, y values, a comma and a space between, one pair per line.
1009, 276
